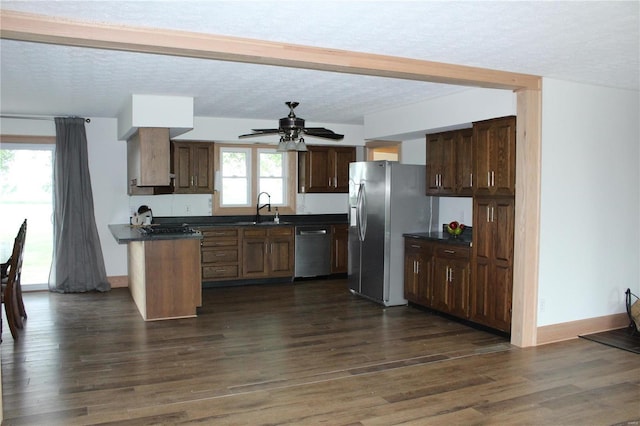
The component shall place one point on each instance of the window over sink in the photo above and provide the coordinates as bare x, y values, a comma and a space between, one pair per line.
244, 171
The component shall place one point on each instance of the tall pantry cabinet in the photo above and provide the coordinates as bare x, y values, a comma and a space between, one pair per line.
491, 287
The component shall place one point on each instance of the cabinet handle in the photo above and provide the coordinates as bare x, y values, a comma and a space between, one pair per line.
488, 213
450, 251
492, 212
415, 246
489, 179
191, 180
450, 275
196, 180
417, 267
493, 178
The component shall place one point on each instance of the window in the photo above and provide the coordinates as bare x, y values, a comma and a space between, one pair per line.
235, 173
242, 172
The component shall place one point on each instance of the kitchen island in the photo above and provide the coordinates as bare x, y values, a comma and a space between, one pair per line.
164, 271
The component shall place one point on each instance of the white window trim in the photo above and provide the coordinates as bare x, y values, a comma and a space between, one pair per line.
289, 206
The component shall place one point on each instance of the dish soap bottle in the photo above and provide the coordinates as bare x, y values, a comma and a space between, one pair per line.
276, 218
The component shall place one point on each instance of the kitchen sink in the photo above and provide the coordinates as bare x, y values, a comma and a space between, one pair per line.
265, 223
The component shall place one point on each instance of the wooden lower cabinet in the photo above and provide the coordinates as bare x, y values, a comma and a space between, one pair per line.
418, 268
339, 248
437, 276
220, 253
267, 252
452, 273
492, 275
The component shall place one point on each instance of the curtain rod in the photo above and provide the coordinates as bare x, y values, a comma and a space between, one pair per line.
26, 117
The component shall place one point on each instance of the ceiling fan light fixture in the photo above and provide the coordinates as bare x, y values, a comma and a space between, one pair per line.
291, 145
282, 145
301, 145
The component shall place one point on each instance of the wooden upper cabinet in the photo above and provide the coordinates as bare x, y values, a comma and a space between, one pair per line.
325, 168
495, 156
192, 166
148, 162
440, 163
464, 162
449, 163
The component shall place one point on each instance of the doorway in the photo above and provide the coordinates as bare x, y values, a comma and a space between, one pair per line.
26, 192
383, 150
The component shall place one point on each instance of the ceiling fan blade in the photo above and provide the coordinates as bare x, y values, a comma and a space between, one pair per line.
321, 132
260, 132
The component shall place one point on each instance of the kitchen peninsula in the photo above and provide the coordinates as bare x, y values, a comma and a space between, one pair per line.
164, 271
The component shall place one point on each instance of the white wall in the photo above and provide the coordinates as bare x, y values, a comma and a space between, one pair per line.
590, 204
108, 169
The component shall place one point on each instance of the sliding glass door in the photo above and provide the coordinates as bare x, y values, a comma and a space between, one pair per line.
26, 192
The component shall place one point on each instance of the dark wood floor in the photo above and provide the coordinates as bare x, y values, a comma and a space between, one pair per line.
308, 353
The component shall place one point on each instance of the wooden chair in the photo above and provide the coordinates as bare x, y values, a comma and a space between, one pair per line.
11, 290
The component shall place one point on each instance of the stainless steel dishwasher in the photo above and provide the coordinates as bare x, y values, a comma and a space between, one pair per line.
313, 251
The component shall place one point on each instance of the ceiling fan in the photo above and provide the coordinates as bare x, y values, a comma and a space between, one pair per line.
291, 130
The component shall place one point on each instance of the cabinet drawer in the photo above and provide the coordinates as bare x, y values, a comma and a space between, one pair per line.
220, 233
452, 251
254, 232
215, 242
281, 230
415, 244
219, 256
218, 272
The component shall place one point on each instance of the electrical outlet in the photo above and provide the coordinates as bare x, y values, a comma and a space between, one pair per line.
187, 208
542, 305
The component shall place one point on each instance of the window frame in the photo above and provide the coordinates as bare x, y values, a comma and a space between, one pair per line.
290, 193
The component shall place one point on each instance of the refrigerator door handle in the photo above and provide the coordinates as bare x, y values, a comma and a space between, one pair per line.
361, 212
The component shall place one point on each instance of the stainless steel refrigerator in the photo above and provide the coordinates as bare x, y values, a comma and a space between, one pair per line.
386, 199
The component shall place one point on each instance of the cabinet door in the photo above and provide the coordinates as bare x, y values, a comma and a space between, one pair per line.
459, 277
492, 268
342, 158
434, 158
440, 286
202, 161
417, 271
339, 248
182, 167
495, 156
464, 162
317, 170
254, 257
441, 163
281, 256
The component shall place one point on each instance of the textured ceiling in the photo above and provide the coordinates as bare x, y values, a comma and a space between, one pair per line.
590, 42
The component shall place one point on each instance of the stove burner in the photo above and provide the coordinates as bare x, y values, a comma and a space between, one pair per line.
166, 229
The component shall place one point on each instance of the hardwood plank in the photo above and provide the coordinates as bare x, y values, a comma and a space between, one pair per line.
302, 353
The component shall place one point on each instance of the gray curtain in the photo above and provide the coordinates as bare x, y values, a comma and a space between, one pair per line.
78, 264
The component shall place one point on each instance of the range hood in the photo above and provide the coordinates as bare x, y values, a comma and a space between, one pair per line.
156, 111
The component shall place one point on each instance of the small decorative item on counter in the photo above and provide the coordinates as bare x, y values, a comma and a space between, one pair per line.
454, 228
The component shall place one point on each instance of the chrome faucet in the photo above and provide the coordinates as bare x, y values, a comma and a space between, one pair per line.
260, 207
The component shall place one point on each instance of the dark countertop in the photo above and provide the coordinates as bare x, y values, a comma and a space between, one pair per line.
125, 233
442, 237
300, 219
